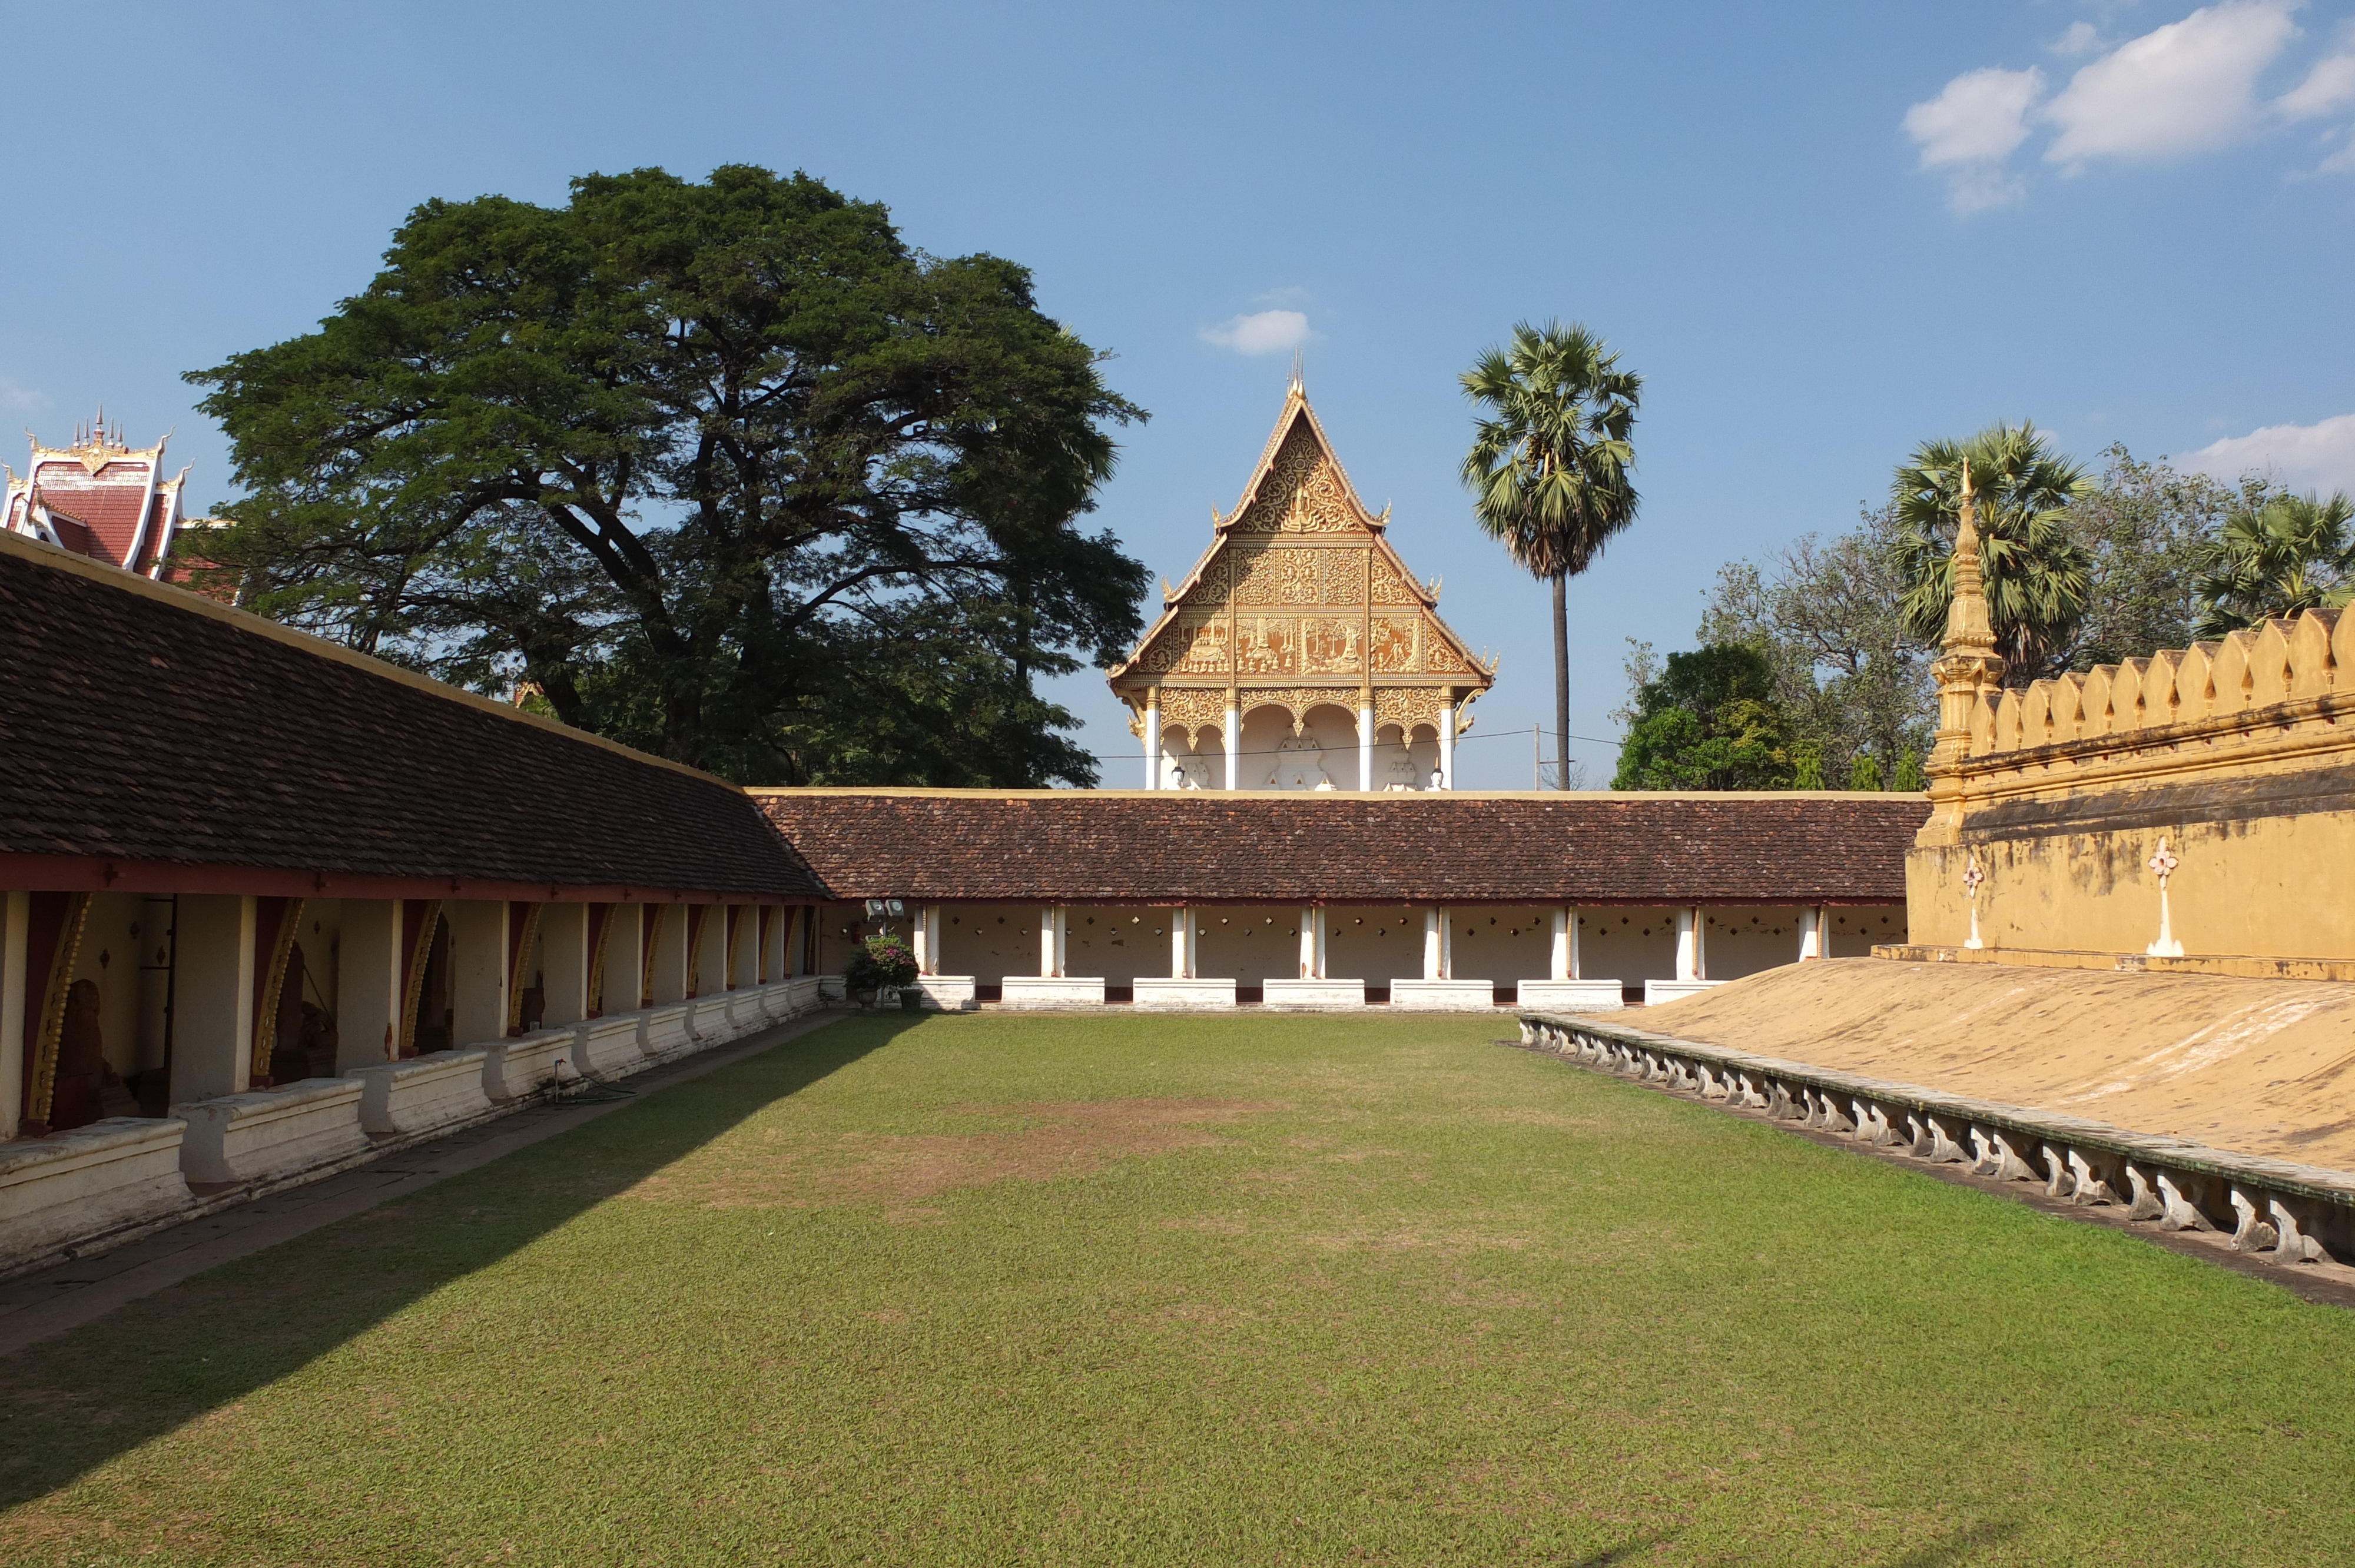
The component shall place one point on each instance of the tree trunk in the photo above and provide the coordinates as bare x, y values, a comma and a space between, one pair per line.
1561, 683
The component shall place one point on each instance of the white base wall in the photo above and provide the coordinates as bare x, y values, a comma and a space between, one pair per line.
664, 1031
271, 1132
1573, 996
1659, 991
1313, 993
608, 1046
401, 1098
1443, 995
78, 1185
1184, 995
513, 1068
949, 993
1042, 991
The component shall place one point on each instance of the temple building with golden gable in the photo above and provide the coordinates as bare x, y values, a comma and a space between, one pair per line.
102, 497
1300, 653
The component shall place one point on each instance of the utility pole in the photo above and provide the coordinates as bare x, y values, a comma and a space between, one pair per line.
1537, 757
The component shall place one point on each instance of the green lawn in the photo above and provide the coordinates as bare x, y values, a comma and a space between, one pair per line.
1001, 1290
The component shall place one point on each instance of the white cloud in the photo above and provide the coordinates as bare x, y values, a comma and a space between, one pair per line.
2331, 85
2184, 88
1977, 121
2079, 40
1980, 117
1262, 332
2321, 456
20, 399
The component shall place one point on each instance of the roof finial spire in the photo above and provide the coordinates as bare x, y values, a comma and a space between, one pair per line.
1299, 383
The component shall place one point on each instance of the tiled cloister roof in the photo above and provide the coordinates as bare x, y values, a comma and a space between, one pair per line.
1149, 846
143, 723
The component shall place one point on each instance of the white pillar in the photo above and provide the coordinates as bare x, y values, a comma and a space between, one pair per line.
668, 960
711, 954
1053, 949
1565, 943
1308, 943
1153, 740
1434, 962
928, 938
368, 984
625, 960
1692, 954
1366, 746
564, 964
1447, 742
1811, 933
1233, 741
1181, 942
212, 996
15, 932
478, 970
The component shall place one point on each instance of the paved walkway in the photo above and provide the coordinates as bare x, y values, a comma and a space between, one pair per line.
36, 1306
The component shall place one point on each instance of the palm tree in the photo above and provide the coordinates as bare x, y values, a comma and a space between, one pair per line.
2038, 574
2288, 553
1549, 466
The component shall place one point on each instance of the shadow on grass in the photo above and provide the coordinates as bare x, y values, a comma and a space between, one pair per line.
71, 1403
1622, 1552
1950, 1550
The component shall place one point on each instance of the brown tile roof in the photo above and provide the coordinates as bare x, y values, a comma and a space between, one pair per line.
142, 723
1208, 847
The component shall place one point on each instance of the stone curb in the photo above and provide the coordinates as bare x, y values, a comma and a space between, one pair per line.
2276, 1210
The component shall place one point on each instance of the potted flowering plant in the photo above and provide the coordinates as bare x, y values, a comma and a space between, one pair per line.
882, 963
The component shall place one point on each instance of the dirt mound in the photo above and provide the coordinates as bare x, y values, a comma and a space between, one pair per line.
2262, 1066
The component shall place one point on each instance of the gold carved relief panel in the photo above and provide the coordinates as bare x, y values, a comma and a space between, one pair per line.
1302, 493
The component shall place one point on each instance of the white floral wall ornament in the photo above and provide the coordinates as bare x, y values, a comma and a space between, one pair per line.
1972, 878
2162, 865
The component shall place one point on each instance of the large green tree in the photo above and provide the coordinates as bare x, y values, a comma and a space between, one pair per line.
2037, 574
1552, 467
725, 469
2277, 555
1709, 721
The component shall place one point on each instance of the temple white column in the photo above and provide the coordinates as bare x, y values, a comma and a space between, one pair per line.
478, 970
1312, 943
1152, 739
15, 932
1233, 739
1181, 942
928, 938
1811, 933
564, 962
212, 996
1438, 943
1366, 746
1693, 945
1052, 946
619, 986
1566, 942
367, 983
1447, 741
668, 960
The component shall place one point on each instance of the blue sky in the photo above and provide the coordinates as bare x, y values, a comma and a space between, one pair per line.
1822, 233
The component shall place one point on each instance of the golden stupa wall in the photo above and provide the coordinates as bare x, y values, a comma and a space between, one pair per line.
2191, 811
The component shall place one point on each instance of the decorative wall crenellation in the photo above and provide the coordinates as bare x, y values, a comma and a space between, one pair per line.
2248, 675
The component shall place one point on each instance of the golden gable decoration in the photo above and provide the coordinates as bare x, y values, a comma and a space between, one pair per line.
1301, 585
